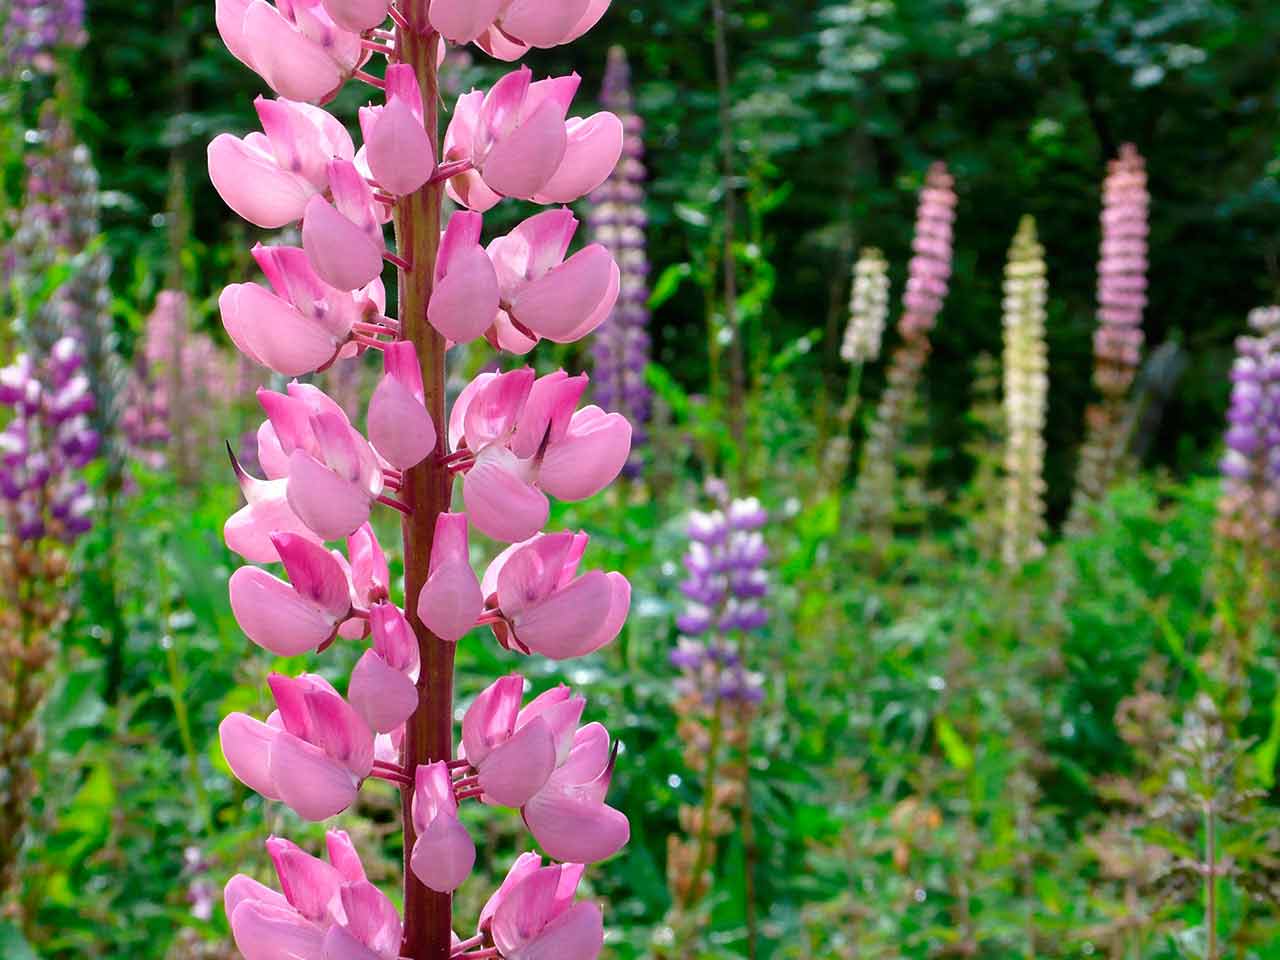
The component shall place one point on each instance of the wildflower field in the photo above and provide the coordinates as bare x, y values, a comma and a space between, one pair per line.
559, 479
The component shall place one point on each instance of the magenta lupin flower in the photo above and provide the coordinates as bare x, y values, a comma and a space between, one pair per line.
513, 440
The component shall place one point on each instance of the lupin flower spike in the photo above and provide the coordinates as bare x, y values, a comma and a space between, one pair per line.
513, 438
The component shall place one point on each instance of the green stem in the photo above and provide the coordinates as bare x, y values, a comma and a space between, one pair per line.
705, 833
1211, 882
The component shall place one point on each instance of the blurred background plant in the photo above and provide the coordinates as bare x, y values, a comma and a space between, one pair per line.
970, 734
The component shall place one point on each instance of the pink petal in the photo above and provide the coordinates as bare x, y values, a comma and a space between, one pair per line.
491, 718
384, 696
547, 413
248, 530
525, 909
309, 884
315, 573
399, 150
394, 639
603, 309
267, 932
461, 21
369, 573
246, 746
576, 829
372, 917
522, 162
588, 458
339, 944
273, 332
499, 502
339, 250
443, 854
241, 888
357, 15
517, 769
556, 304
527, 573
399, 426
293, 65
592, 151
595, 10
252, 185
577, 934
540, 23
450, 601
343, 856
556, 627
465, 301
229, 19
329, 505
524, 866
274, 616
308, 780
493, 410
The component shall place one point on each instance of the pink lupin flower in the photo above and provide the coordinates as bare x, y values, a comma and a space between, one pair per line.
333, 473
397, 149
383, 684
267, 178
450, 600
542, 293
295, 45
520, 144
291, 618
249, 530
539, 604
302, 323
533, 915
513, 755
443, 853
327, 910
312, 753
400, 427
507, 30
568, 816
525, 440
464, 300
343, 239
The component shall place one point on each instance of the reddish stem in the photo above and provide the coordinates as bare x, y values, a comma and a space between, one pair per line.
428, 915
394, 504
370, 79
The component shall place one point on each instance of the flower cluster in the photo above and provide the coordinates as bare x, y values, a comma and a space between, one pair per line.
57, 226
1026, 390
34, 29
1117, 343
929, 271
513, 438
725, 587
1122, 273
46, 443
178, 385
1250, 506
868, 308
617, 219
930, 267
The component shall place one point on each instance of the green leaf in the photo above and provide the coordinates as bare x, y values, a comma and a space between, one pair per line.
1264, 757
958, 753
668, 283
